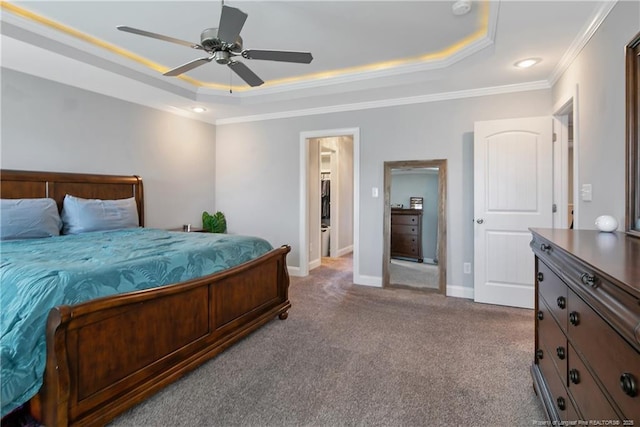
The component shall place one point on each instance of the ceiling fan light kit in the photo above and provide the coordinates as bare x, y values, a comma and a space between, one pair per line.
224, 43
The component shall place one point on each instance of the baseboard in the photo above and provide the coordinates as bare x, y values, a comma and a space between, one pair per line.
459, 292
294, 271
345, 250
368, 280
315, 264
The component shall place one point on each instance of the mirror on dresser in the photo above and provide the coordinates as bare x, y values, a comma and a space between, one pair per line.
633, 136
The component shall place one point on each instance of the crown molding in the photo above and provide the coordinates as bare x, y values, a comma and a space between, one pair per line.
420, 99
581, 40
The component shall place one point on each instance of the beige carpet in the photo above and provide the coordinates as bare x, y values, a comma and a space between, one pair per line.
352, 355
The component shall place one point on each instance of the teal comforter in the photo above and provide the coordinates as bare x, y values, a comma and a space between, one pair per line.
36, 275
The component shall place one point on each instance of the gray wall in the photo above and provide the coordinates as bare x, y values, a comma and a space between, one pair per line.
599, 75
53, 127
245, 154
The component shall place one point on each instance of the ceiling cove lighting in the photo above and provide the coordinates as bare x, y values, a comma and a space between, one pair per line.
198, 109
527, 63
447, 52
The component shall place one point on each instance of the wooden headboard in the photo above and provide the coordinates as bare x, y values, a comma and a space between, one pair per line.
16, 184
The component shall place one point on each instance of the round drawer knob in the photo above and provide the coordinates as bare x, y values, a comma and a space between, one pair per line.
545, 248
540, 277
560, 352
628, 383
574, 376
539, 354
540, 315
562, 302
588, 279
574, 318
562, 405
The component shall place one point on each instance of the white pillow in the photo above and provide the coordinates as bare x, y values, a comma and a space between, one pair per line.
29, 218
82, 215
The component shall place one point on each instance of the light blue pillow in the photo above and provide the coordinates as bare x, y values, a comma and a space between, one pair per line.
82, 215
29, 218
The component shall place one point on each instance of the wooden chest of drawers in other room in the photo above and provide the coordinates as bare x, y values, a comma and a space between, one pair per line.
587, 340
406, 234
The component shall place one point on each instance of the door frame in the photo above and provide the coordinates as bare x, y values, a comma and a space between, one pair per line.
568, 103
441, 164
305, 138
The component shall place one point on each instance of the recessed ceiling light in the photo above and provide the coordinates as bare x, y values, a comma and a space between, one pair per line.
198, 109
526, 63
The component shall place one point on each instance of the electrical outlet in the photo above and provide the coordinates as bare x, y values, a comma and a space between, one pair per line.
467, 267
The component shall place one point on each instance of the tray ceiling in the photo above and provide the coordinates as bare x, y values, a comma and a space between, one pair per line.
364, 51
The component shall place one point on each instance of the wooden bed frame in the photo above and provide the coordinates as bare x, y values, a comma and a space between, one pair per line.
107, 355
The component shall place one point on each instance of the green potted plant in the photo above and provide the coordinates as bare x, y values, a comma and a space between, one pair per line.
215, 223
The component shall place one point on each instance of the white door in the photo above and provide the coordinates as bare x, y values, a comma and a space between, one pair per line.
513, 190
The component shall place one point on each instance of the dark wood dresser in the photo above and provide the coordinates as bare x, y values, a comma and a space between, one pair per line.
587, 341
406, 234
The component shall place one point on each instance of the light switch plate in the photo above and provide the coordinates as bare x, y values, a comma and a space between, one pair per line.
374, 191
587, 192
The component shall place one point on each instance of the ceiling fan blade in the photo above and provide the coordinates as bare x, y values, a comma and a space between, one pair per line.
188, 66
158, 36
245, 73
231, 23
278, 55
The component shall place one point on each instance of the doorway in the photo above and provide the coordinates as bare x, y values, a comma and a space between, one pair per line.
415, 250
328, 193
565, 165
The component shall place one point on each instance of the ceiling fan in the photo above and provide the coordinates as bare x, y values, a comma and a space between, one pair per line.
224, 43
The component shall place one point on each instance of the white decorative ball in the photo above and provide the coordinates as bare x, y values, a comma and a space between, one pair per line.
606, 223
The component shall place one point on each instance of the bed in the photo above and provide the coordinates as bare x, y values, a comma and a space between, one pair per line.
105, 355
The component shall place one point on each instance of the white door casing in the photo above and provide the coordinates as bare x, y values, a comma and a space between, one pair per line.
513, 191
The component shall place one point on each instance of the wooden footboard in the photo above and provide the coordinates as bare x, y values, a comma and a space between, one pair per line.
107, 355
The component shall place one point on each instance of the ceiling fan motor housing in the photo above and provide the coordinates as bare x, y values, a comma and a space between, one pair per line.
209, 39
211, 43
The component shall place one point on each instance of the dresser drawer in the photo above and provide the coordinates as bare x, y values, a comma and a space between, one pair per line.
551, 338
592, 402
554, 292
610, 357
405, 240
405, 244
559, 395
405, 219
405, 229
